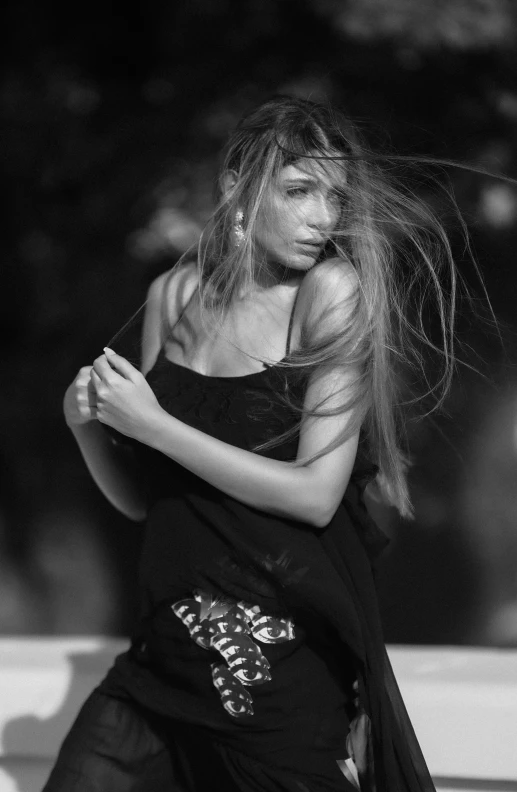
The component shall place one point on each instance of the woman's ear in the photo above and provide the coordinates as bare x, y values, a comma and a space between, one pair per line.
228, 182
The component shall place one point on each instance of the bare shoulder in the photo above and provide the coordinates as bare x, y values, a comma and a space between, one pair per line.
171, 290
334, 278
326, 298
332, 284
166, 297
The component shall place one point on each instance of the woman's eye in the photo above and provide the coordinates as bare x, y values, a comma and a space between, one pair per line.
293, 192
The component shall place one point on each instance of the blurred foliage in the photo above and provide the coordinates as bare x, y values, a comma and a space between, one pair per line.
428, 24
112, 120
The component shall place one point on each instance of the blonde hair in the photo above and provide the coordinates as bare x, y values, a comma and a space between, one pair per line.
394, 241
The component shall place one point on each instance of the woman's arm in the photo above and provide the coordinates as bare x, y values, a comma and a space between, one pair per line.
309, 493
166, 290
113, 465
113, 469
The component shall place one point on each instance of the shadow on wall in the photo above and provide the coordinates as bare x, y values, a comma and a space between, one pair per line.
43, 683
56, 681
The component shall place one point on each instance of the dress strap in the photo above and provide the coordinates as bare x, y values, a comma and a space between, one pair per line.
290, 327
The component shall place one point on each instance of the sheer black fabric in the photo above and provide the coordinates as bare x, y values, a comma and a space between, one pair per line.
115, 745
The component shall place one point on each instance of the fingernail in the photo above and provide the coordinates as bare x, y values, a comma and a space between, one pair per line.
109, 351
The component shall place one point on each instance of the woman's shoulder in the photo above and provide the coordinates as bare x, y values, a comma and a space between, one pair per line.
329, 284
334, 276
170, 292
167, 296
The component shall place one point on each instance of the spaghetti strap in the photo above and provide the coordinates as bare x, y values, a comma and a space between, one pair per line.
290, 327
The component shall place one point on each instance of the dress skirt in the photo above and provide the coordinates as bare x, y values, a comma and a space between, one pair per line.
116, 745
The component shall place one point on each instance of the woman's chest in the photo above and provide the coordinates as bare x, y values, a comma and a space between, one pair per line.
234, 345
246, 412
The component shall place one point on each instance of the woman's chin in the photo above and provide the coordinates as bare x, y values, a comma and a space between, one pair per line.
291, 266
301, 261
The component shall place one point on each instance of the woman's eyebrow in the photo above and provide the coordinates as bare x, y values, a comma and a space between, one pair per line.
301, 180
331, 183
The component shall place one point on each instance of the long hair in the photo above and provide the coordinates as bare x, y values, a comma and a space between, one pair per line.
394, 241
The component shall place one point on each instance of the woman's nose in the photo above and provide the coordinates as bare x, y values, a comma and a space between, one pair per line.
322, 215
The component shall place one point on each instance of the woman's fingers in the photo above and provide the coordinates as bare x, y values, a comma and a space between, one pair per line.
102, 369
80, 400
91, 393
109, 364
86, 396
95, 379
83, 376
121, 365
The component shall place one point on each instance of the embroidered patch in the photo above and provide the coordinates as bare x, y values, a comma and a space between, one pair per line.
232, 628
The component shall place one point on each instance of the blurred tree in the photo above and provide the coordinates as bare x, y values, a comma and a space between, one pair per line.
428, 24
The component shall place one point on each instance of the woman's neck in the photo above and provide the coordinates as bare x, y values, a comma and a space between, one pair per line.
275, 275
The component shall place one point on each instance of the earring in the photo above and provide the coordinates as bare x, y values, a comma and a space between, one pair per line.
238, 230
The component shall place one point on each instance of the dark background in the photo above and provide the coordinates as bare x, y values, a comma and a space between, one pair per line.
112, 115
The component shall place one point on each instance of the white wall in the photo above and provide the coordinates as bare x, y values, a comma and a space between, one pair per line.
463, 704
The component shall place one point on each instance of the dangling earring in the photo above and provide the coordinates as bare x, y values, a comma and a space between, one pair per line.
238, 230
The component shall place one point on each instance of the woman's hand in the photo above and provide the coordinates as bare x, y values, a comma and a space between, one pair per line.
124, 399
80, 399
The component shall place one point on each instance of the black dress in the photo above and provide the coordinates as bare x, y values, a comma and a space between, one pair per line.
259, 638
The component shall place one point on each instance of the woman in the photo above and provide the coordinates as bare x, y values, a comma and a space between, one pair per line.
266, 402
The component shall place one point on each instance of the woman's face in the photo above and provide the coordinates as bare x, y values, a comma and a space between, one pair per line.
299, 213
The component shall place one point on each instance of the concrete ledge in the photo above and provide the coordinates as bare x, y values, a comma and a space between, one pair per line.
463, 704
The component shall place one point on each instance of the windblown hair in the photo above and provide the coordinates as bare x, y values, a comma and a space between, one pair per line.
396, 244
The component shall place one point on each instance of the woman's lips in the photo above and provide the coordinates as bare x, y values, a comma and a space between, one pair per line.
310, 248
